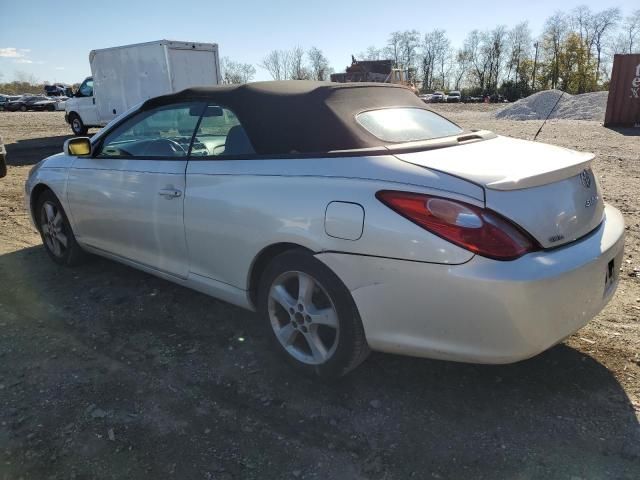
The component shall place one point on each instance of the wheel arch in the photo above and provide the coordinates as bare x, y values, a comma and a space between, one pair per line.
36, 191
262, 260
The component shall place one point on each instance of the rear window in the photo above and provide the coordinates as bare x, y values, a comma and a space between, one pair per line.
406, 124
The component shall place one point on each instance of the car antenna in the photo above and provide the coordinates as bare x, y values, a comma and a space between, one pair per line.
548, 115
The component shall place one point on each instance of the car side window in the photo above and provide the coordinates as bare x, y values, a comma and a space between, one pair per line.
86, 89
163, 132
220, 134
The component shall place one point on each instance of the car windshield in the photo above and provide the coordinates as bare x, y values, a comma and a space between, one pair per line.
406, 124
455, 94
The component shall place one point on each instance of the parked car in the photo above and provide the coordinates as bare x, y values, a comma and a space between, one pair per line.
46, 103
4, 99
3, 159
426, 98
36, 103
454, 96
437, 97
58, 90
497, 98
350, 216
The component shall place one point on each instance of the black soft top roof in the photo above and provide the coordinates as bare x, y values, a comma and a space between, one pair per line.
283, 117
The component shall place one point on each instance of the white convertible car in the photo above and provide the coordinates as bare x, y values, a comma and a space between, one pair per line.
349, 216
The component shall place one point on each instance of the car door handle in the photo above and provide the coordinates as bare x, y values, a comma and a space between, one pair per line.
170, 193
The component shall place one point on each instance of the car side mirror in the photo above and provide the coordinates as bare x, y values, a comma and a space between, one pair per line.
78, 147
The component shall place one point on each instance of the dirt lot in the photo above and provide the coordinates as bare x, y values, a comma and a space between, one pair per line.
106, 372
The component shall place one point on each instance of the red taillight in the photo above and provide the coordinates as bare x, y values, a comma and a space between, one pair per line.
477, 229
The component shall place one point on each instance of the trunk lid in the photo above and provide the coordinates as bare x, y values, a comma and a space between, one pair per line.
549, 191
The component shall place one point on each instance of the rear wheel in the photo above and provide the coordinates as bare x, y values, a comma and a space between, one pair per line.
77, 125
23, 108
311, 315
55, 230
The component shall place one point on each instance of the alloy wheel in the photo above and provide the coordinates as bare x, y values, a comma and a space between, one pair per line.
303, 317
52, 227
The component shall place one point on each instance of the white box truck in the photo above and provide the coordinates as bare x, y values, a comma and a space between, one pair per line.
125, 76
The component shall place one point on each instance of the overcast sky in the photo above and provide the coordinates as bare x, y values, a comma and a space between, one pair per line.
52, 39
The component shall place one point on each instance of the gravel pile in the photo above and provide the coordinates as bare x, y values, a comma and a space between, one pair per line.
586, 106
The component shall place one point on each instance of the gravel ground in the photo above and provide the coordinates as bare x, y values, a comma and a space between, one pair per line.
106, 372
559, 105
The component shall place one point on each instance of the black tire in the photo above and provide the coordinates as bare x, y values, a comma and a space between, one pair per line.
70, 254
349, 347
77, 126
23, 108
51, 108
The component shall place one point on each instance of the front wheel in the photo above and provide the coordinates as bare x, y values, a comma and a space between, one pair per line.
311, 315
55, 230
77, 125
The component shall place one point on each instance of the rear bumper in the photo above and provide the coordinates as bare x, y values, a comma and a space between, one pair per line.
484, 311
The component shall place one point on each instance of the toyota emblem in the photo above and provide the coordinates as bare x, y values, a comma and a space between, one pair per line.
585, 178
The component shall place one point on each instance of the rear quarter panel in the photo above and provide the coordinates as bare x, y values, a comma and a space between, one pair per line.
236, 208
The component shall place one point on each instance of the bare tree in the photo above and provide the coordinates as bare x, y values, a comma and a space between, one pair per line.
444, 61
409, 42
629, 38
519, 40
278, 64
433, 53
495, 46
603, 23
428, 61
461, 67
236, 72
291, 64
479, 54
371, 53
393, 47
318, 64
582, 22
555, 31
298, 71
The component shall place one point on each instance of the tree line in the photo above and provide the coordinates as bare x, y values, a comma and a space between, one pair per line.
24, 84
293, 64
296, 64
574, 52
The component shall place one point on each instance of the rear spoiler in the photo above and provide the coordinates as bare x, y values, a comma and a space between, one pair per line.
567, 170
